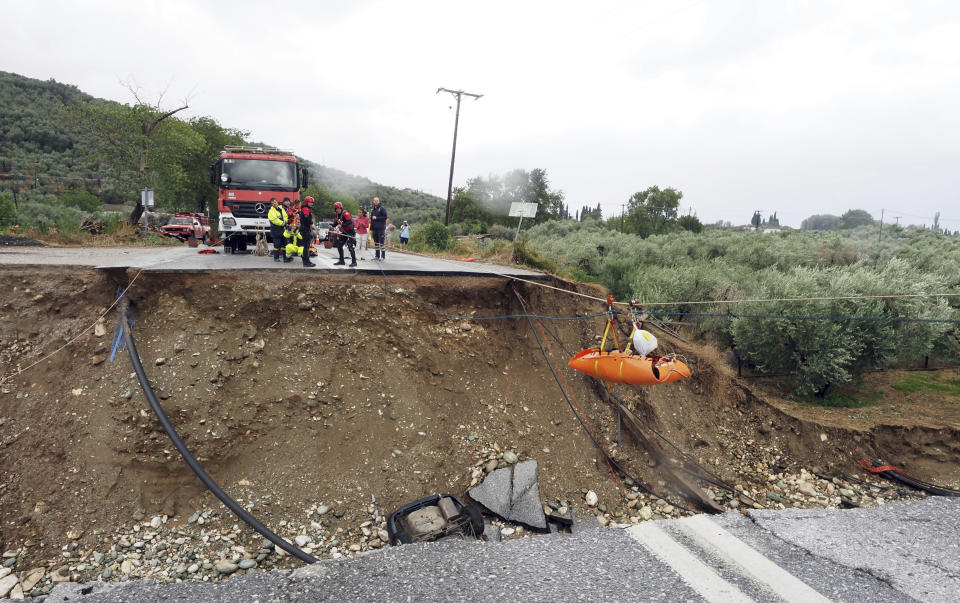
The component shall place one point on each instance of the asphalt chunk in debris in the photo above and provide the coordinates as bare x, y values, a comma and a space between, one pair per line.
513, 494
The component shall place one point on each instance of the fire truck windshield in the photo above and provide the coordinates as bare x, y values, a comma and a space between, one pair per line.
258, 174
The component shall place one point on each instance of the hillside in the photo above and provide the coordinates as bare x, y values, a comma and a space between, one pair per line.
45, 151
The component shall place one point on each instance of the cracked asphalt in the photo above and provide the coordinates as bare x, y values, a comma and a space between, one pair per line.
899, 552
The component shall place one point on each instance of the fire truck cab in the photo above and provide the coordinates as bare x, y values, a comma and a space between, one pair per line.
247, 178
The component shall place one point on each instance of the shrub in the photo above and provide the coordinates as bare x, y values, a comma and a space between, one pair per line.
8, 211
498, 231
82, 199
436, 236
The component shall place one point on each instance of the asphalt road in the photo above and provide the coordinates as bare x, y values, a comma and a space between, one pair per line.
899, 552
187, 258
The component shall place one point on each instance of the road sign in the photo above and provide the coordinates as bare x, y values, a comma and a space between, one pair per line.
523, 210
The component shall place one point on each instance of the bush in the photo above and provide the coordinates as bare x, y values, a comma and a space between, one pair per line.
82, 199
504, 233
436, 236
8, 211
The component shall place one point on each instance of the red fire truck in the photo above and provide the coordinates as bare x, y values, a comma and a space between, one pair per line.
247, 178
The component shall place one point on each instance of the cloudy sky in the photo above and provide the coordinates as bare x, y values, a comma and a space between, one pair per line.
789, 106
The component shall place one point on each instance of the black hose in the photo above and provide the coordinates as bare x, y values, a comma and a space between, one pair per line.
211, 485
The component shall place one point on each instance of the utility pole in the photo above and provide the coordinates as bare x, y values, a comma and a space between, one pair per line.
623, 209
880, 233
453, 155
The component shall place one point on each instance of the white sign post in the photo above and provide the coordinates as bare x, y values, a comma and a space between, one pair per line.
522, 210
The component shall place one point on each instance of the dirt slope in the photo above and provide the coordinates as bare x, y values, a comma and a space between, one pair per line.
341, 391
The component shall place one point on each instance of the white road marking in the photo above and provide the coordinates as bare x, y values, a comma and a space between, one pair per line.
694, 572
753, 564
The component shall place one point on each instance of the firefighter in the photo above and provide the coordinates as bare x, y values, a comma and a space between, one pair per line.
347, 235
306, 230
278, 217
294, 241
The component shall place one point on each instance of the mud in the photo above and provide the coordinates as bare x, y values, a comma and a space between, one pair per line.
341, 389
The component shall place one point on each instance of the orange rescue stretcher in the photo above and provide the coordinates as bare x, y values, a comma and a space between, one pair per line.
626, 367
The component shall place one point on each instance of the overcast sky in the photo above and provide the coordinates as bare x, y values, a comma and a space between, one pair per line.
789, 106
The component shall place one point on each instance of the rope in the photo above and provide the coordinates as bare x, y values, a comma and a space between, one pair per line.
807, 317
77, 336
486, 270
577, 412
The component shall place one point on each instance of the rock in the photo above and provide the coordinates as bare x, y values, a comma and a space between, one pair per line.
30, 578
161, 361
59, 576
76, 392
773, 496
99, 330
106, 573
807, 488
510, 457
156, 522
302, 539
590, 498
8, 563
846, 492
97, 558
6, 571
733, 504
225, 566
17, 592
196, 515
323, 509
138, 515
193, 569
127, 394
246, 564
98, 359
355, 548
490, 466
507, 532
646, 513
74, 533
6, 585
126, 566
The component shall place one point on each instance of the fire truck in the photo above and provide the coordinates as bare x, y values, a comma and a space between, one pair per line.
247, 178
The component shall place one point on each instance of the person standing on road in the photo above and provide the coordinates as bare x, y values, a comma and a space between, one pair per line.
278, 217
404, 234
306, 230
362, 224
346, 237
378, 226
388, 239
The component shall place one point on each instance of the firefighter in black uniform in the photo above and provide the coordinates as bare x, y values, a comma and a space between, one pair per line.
306, 230
347, 234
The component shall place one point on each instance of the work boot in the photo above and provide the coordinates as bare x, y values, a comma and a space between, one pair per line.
276, 255
353, 264
287, 258
306, 261
340, 263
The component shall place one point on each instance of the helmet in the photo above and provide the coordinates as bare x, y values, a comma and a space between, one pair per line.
308, 200
347, 216
338, 205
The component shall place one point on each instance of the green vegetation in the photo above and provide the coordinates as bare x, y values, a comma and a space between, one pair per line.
924, 383
723, 265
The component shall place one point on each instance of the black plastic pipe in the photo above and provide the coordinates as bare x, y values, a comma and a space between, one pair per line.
211, 485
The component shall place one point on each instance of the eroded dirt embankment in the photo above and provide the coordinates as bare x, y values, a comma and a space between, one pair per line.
340, 392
